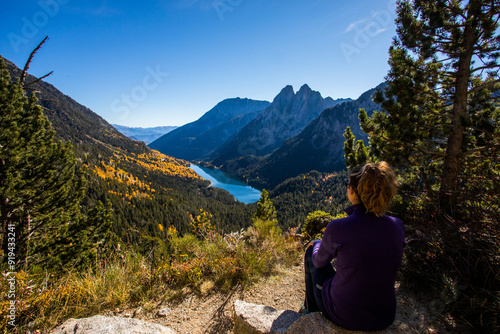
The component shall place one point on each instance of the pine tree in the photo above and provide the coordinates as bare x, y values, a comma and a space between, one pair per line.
355, 152
440, 118
265, 223
40, 187
440, 127
265, 208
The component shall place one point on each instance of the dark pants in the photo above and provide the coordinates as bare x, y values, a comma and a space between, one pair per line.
315, 277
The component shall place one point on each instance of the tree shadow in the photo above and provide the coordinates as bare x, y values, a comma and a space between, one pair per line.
220, 322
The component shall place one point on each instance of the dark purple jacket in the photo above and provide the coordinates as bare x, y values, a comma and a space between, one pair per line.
368, 250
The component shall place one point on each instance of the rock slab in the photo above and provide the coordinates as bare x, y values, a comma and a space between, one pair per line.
258, 319
100, 324
251, 318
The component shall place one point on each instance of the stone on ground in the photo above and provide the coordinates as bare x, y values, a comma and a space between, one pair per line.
257, 319
251, 318
100, 324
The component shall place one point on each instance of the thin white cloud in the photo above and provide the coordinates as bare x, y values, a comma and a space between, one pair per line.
356, 24
353, 25
373, 33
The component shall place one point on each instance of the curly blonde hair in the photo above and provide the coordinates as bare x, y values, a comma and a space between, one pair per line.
375, 185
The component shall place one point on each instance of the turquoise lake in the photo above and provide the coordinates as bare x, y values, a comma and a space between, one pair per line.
240, 190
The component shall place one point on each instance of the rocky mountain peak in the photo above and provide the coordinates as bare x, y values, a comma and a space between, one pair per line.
309, 99
231, 107
305, 89
288, 115
329, 102
285, 96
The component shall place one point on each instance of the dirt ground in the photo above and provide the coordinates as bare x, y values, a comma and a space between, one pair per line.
213, 312
194, 313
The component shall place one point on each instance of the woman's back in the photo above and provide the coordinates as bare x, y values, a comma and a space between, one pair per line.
368, 245
368, 250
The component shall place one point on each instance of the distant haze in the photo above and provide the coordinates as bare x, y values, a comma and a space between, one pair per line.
147, 135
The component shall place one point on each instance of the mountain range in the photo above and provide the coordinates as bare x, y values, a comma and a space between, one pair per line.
147, 135
195, 140
288, 114
320, 146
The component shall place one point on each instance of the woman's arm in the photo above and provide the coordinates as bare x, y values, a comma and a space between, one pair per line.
324, 251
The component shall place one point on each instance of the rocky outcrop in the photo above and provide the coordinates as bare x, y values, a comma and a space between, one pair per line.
100, 324
256, 319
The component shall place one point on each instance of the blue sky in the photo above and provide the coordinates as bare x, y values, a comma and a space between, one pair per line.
158, 62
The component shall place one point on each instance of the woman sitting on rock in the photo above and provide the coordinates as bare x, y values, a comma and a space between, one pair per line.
368, 246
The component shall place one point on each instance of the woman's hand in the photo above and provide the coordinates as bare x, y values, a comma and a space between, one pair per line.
312, 243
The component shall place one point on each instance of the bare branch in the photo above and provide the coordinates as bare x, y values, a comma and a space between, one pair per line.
37, 80
446, 59
441, 37
50, 110
488, 84
440, 154
27, 65
482, 61
478, 52
482, 148
485, 67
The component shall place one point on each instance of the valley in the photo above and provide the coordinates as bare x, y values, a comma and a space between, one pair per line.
146, 187
295, 134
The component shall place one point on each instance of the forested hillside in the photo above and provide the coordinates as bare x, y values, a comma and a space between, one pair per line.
299, 196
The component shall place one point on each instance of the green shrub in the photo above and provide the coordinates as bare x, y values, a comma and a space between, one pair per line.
315, 224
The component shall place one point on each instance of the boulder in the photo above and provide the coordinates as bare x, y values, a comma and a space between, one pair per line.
251, 318
317, 323
100, 324
257, 319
